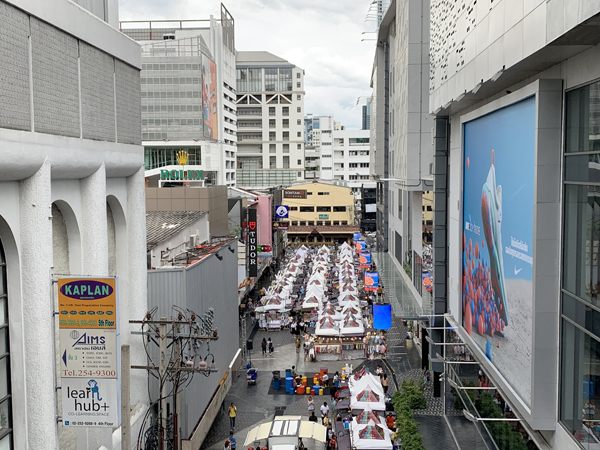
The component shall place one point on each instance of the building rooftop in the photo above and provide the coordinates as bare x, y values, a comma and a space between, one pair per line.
161, 225
261, 59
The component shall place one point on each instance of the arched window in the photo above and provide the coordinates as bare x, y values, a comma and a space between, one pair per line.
5, 389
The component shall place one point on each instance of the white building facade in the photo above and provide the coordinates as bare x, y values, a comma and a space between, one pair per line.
188, 98
270, 105
72, 202
514, 87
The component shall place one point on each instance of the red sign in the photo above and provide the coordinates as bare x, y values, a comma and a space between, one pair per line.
281, 225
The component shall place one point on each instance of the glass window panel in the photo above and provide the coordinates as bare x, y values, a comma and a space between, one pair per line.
583, 168
4, 377
285, 79
6, 442
581, 313
583, 119
5, 416
270, 79
579, 389
581, 242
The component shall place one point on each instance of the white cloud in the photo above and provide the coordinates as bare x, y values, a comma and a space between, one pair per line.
321, 37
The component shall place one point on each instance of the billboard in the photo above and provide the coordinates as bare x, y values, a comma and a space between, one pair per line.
497, 264
371, 207
371, 281
360, 246
382, 317
364, 260
294, 193
209, 98
356, 237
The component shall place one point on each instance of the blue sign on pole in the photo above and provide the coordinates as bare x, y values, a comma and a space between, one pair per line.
382, 317
282, 211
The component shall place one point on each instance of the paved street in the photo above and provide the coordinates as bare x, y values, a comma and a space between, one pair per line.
256, 405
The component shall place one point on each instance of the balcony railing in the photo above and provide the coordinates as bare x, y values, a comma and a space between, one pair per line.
266, 177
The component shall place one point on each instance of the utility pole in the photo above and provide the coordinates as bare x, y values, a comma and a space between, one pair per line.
162, 371
125, 407
179, 340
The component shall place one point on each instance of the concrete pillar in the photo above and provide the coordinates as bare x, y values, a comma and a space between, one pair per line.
94, 245
137, 289
94, 231
36, 262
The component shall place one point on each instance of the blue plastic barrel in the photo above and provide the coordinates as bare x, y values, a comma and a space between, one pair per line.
289, 384
288, 373
276, 384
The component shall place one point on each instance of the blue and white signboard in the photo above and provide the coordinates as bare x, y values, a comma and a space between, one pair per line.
282, 211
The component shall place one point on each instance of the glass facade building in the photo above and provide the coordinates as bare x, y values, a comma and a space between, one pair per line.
580, 311
178, 91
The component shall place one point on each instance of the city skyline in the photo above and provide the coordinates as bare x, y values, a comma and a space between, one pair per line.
333, 58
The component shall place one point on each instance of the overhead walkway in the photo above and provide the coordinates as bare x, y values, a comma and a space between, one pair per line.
404, 302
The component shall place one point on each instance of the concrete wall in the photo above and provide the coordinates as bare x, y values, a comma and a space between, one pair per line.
65, 154
178, 243
204, 285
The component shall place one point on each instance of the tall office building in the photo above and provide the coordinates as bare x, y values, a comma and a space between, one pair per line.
401, 154
71, 205
188, 100
366, 115
270, 105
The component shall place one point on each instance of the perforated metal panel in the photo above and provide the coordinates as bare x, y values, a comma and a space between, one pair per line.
14, 69
55, 80
129, 115
97, 93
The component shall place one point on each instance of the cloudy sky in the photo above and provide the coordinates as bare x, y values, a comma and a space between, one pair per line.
323, 37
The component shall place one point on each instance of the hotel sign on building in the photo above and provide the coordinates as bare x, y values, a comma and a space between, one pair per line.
294, 193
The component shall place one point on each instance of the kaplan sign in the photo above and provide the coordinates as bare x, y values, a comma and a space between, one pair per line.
252, 244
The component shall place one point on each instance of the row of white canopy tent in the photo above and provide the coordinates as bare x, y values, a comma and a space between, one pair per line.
368, 430
278, 296
346, 318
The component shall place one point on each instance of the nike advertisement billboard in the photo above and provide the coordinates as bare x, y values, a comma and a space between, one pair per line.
497, 238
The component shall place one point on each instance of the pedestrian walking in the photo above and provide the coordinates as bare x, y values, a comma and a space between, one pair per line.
311, 404
270, 345
312, 417
324, 412
263, 345
385, 383
227, 445
298, 342
336, 379
328, 435
232, 441
232, 413
305, 352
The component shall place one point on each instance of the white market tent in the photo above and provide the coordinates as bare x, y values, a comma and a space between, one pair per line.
366, 381
371, 437
367, 397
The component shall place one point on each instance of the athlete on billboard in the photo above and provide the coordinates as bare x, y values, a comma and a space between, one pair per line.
491, 213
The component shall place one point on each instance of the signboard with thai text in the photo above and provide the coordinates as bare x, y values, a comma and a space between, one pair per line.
87, 303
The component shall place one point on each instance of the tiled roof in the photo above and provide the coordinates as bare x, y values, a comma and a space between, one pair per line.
161, 225
324, 229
